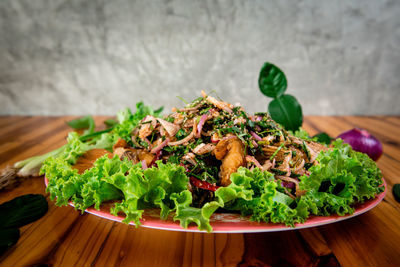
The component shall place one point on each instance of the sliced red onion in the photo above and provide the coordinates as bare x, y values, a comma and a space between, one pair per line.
288, 184
144, 164
290, 180
227, 109
160, 146
256, 136
254, 143
184, 140
201, 124
184, 166
362, 141
256, 118
157, 157
191, 109
253, 159
147, 141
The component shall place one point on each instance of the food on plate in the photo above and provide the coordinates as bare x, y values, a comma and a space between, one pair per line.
211, 156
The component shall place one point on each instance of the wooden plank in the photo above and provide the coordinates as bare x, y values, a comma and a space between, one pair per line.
9, 120
281, 249
15, 130
83, 242
310, 128
55, 141
325, 125
315, 241
33, 138
368, 240
229, 249
394, 120
9, 145
128, 246
184, 249
16, 126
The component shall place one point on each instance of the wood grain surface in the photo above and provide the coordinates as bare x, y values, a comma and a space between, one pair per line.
65, 237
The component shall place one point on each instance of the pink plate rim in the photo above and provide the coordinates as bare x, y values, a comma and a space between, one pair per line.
234, 223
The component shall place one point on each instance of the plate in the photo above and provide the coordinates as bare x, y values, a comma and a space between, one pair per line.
234, 223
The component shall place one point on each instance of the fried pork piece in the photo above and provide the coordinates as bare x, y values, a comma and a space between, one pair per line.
218, 104
149, 123
203, 148
135, 155
231, 151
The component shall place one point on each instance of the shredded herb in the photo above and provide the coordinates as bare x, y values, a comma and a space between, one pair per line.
276, 151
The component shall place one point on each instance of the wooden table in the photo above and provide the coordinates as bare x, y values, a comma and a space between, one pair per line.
64, 237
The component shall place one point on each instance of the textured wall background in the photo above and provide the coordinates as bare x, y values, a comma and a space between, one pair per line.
96, 57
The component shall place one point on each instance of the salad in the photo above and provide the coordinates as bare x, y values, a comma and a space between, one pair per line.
210, 156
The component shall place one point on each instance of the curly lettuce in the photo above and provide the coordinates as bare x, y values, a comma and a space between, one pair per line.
342, 178
113, 179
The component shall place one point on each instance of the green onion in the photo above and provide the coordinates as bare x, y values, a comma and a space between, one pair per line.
276, 152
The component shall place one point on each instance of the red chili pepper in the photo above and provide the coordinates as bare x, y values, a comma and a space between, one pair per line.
203, 184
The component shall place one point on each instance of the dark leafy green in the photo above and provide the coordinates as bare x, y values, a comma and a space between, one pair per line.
22, 210
272, 81
110, 122
86, 122
18, 212
286, 111
284, 108
8, 238
323, 138
396, 192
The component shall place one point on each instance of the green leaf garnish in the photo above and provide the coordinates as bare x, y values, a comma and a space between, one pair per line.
22, 210
323, 138
272, 81
110, 122
86, 122
286, 111
8, 238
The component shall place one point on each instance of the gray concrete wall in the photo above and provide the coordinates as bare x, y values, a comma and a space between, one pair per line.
95, 57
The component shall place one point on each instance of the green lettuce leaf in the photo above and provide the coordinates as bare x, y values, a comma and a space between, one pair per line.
342, 178
113, 179
128, 121
259, 195
74, 149
151, 188
187, 214
85, 189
